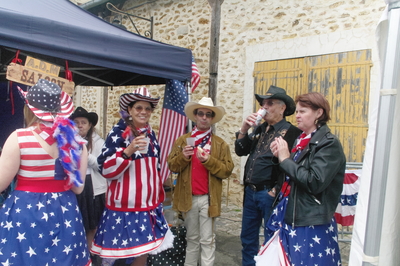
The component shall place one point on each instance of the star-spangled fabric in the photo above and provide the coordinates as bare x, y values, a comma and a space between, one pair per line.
41, 228
133, 223
315, 245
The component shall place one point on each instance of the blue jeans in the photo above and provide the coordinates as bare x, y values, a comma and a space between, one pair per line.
257, 206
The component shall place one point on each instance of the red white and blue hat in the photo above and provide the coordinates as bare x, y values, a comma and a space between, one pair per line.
140, 94
47, 101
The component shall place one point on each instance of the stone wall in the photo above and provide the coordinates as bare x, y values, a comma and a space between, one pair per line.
245, 24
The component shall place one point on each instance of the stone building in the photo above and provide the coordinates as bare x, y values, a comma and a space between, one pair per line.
251, 31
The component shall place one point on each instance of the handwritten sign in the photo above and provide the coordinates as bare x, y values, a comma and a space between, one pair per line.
30, 77
42, 66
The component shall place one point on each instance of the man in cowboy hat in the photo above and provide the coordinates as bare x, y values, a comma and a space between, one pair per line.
201, 167
262, 170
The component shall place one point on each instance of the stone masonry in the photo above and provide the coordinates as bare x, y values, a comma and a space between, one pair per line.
245, 24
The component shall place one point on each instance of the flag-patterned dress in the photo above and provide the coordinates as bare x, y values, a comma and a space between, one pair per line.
40, 222
133, 223
314, 245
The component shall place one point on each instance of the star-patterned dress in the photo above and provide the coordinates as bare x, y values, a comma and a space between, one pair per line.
40, 222
314, 245
133, 222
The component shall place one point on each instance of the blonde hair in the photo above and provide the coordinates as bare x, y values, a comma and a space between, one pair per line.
30, 117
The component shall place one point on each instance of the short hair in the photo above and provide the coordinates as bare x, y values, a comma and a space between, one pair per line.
315, 100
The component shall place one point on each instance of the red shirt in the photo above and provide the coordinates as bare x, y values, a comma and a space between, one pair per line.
199, 176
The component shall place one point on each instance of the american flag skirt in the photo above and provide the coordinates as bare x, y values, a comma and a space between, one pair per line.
132, 234
42, 229
305, 245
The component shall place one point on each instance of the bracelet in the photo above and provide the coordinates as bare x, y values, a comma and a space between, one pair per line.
240, 132
125, 156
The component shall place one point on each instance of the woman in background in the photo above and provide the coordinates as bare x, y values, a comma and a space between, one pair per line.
314, 181
40, 220
92, 200
133, 224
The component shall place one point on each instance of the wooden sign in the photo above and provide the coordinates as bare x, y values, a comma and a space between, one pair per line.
42, 66
30, 77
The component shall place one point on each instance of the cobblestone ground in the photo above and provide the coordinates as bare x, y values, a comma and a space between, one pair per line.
229, 223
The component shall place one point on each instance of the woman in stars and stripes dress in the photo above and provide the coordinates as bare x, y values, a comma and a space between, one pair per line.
133, 224
311, 192
40, 222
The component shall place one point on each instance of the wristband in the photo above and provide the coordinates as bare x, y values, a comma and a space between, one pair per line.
240, 132
126, 157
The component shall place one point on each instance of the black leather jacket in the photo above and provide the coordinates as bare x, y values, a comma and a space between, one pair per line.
316, 180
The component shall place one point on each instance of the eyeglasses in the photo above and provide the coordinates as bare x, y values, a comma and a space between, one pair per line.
140, 108
201, 114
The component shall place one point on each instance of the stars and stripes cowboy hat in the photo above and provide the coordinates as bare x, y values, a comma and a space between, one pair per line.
140, 94
47, 101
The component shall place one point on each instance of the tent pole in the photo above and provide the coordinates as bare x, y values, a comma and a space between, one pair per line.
189, 92
387, 101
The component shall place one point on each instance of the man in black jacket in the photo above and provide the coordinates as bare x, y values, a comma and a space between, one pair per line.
261, 171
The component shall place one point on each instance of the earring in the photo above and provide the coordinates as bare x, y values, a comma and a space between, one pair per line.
316, 122
130, 118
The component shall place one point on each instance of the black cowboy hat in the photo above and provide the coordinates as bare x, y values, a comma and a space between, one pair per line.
81, 112
279, 94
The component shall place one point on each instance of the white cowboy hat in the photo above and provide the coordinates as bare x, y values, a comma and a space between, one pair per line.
140, 94
205, 102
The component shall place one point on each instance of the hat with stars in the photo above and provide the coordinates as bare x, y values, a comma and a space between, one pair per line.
47, 101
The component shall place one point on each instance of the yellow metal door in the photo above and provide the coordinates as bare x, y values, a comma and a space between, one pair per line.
343, 78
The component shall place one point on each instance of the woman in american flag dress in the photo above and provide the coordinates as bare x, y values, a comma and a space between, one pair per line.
40, 222
310, 194
133, 224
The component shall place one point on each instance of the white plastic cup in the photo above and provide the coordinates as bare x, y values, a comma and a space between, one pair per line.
191, 141
145, 149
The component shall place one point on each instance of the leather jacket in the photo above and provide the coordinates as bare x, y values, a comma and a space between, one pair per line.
316, 180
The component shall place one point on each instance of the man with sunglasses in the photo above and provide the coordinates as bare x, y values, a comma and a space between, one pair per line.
201, 169
262, 170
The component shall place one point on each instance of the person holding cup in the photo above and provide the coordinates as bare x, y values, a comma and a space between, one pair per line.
202, 160
133, 224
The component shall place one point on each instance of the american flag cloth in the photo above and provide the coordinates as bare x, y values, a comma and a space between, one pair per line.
195, 75
346, 208
133, 223
41, 228
173, 120
133, 184
305, 245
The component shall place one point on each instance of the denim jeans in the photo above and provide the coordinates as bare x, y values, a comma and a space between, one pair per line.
257, 206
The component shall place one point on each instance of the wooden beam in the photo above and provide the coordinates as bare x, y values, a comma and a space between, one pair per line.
214, 47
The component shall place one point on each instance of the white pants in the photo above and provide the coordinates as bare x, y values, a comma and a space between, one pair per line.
200, 233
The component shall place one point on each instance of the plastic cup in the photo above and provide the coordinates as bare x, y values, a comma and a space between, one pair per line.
145, 149
190, 141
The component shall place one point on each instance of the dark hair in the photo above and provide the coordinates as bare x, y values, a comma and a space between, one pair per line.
315, 100
89, 137
130, 123
212, 112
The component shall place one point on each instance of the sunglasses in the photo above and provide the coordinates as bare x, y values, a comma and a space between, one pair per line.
201, 114
140, 109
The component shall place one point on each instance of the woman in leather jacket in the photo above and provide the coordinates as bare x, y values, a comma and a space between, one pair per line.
314, 171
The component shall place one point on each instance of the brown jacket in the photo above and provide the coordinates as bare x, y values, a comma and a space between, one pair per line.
219, 166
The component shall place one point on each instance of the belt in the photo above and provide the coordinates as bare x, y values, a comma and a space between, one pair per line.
258, 187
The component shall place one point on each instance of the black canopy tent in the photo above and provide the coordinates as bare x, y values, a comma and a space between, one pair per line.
98, 53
